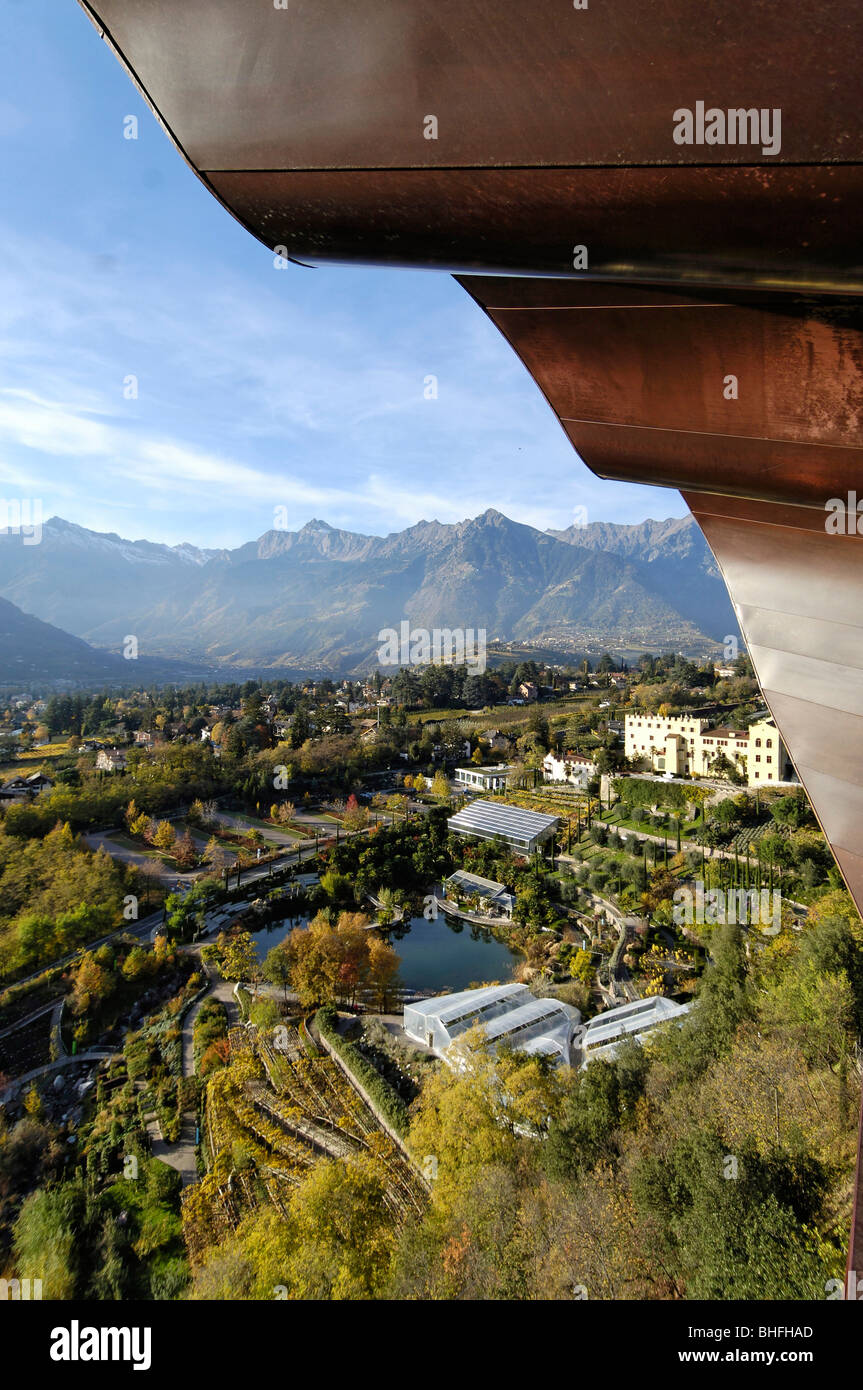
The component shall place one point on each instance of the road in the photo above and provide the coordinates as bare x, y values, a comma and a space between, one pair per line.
136, 859
299, 854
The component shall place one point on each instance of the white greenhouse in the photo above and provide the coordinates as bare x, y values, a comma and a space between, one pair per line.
602, 1036
509, 1014
522, 831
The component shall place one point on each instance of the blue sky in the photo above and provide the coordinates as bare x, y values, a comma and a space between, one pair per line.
257, 388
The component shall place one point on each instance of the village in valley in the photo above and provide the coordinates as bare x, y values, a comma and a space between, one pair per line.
264, 944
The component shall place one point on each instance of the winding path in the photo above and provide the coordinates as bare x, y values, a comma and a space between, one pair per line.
182, 1155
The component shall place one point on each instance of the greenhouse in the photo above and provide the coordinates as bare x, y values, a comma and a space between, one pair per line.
509, 1014
487, 895
602, 1036
523, 831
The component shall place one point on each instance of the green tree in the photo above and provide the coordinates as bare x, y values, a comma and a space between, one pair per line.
276, 969
235, 952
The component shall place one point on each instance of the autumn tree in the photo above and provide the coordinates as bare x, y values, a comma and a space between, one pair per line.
478, 1115
185, 852
215, 855
33, 1102
355, 817
383, 969
334, 1240
93, 984
330, 964
440, 786
236, 955
164, 836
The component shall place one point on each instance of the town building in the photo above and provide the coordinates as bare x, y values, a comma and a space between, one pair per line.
522, 831
689, 746
111, 760
573, 768
509, 1014
496, 740
484, 779
25, 788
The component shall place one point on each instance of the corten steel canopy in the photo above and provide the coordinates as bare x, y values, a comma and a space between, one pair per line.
700, 262
554, 129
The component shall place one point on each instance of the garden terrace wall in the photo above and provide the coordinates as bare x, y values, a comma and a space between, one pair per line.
354, 1065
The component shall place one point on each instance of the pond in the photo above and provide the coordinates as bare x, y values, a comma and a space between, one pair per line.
446, 954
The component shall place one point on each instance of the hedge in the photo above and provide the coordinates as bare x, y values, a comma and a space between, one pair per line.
211, 1024
381, 1092
645, 793
308, 1041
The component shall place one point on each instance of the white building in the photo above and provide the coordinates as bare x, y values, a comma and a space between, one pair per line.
571, 767
509, 1014
769, 759
484, 779
111, 760
689, 747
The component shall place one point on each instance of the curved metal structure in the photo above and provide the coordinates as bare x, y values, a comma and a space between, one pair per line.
660, 206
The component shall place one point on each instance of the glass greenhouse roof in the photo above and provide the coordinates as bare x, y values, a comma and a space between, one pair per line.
491, 818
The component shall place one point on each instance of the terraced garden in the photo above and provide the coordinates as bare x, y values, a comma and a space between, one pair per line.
277, 1109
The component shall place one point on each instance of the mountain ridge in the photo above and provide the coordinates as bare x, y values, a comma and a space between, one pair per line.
320, 595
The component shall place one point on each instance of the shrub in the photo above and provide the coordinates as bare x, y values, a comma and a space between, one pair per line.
385, 1098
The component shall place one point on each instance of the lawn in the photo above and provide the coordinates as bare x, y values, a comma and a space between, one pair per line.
243, 822
688, 829
256, 823
124, 841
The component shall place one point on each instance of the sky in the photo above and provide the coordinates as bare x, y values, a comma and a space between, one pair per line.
162, 379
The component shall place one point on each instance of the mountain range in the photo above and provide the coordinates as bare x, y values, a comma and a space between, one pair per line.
318, 597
